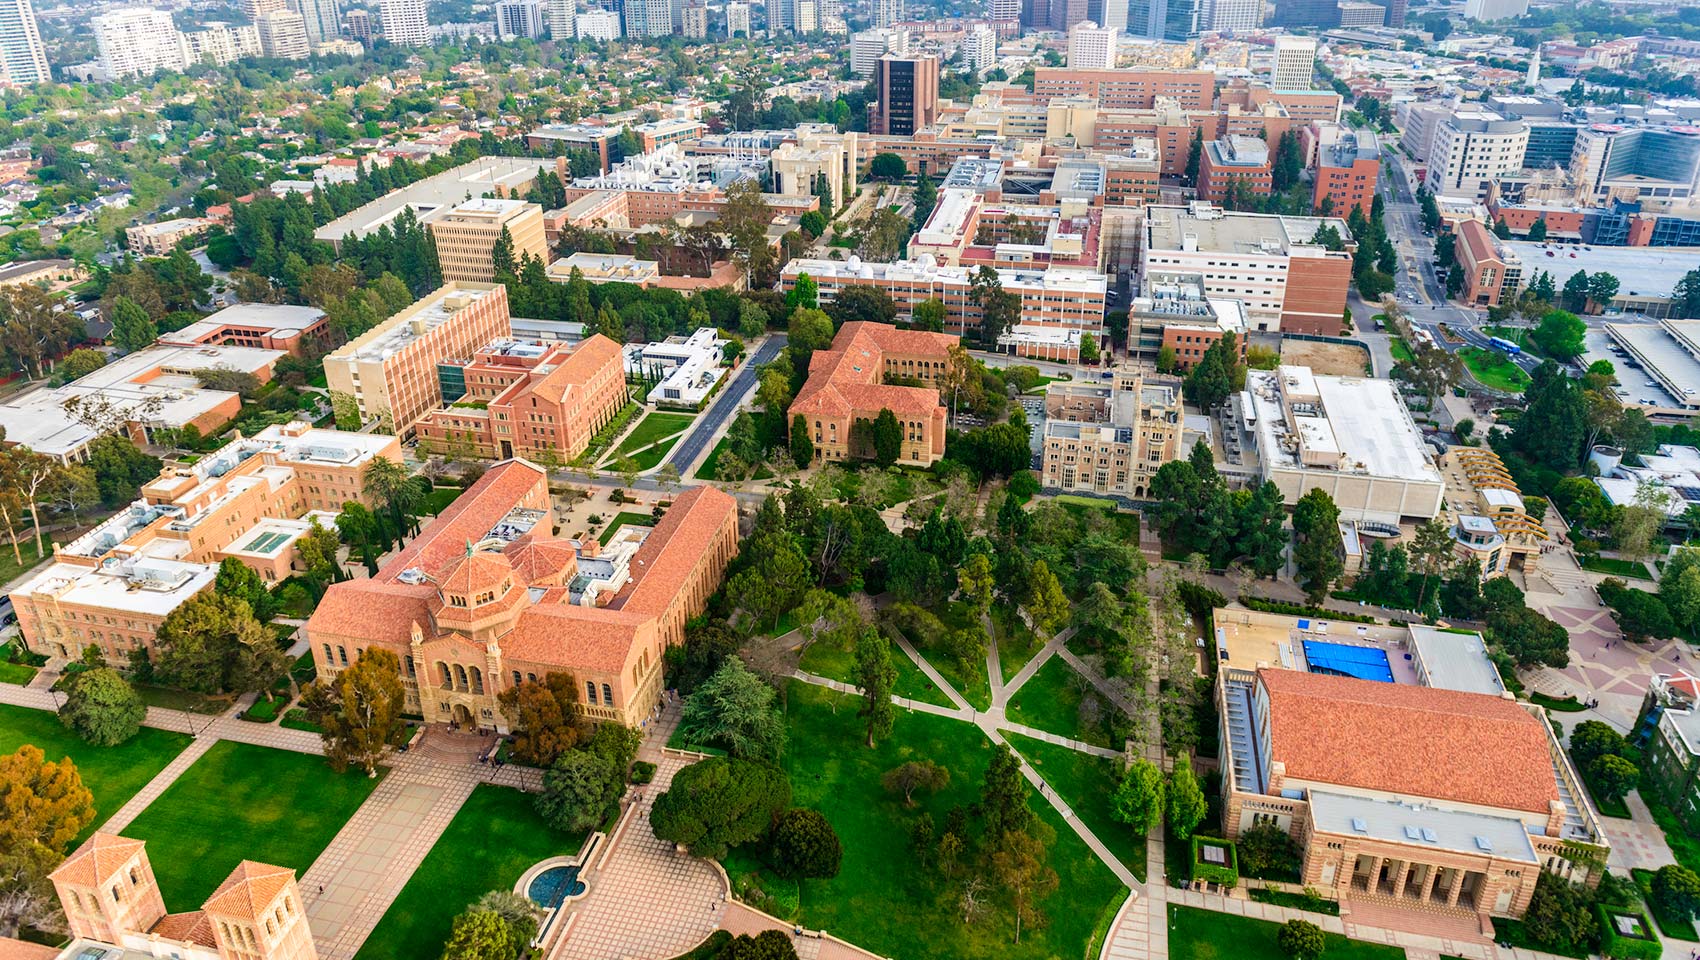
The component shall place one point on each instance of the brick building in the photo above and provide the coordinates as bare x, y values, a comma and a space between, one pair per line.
1347, 165
1128, 89
1235, 164
1491, 271
848, 383
1110, 439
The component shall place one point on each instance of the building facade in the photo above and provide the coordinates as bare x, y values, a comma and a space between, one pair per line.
283, 35
1295, 63
23, 57
136, 42
849, 386
467, 234
405, 22
1491, 271
1348, 163
1237, 165
1091, 47
908, 92
1110, 439
1471, 149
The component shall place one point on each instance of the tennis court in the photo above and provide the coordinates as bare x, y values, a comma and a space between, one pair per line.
1347, 660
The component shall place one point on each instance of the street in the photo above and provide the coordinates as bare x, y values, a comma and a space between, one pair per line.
686, 452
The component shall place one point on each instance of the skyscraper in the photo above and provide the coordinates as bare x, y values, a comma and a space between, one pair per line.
1316, 14
519, 18
137, 42
1235, 16
1091, 47
563, 16
738, 20
887, 12
647, 18
1007, 11
695, 23
980, 49
322, 19
908, 90
405, 23
283, 35
359, 23
23, 59
1295, 61
253, 8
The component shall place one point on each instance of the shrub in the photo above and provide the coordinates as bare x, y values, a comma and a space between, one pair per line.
643, 771
1266, 851
1636, 941
1301, 940
1226, 873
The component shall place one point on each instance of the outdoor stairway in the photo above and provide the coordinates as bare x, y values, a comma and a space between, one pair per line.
1434, 920
1574, 824
1241, 739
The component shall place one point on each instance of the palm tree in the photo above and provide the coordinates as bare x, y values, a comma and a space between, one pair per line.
389, 486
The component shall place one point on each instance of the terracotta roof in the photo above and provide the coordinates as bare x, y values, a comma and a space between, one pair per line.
900, 341
97, 860
193, 927
567, 635
1410, 740
469, 517
580, 367
24, 950
671, 550
474, 571
249, 890
847, 378
1477, 240
382, 611
542, 560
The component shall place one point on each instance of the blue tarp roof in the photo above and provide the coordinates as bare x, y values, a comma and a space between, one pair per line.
1364, 663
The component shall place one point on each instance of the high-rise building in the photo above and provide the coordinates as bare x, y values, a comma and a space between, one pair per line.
887, 12
647, 18
359, 23
868, 46
980, 49
137, 42
322, 18
1231, 16
1006, 11
695, 23
23, 59
1473, 147
519, 18
1091, 47
599, 25
1315, 14
283, 35
221, 43
1396, 10
780, 16
1062, 15
253, 8
1495, 9
562, 16
738, 20
466, 235
1360, 13
1295, 62
1108, 14
908, 91
805, 16
1164, 19
405, 22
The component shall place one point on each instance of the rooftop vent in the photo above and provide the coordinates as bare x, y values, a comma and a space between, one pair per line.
1359, 826
1483, 843
411, 575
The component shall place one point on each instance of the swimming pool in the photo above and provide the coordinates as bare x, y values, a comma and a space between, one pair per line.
554, 886
1348, 660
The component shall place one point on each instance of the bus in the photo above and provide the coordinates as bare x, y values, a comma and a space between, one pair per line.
1505, 346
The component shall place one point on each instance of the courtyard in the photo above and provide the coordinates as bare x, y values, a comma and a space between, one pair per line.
112, 774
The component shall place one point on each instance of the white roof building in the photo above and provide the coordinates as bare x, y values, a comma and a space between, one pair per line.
689, 367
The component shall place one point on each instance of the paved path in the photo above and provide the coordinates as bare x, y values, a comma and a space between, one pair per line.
161, 780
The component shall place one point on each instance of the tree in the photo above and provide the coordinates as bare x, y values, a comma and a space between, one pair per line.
887, 166
1613, 776
1575, 293
1553, 427
1214, 376
804, 294
578, 789
915, 775
870, 304
1046, 602
102, 707
929, 314
802, 448
999, 308
132, 329
1602, 287
1186, 802
1019, 863
875, 674
735, 708
977, 583
358, 711
543, 717
1529, 638
43, 807
1194, 154
887, 438
1138, 800
719, 803
766, 945
389, 487
1560, 334
1316, 550
1301, 939
213, 644
805, 846
237, 579
1680, 586
1538, 229
1501, 229
517, 911
1676, 890
480, 935
813, 224
1088, 350
1431, 552
1003, 797
80, 363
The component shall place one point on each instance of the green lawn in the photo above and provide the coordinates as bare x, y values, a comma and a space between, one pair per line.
969, 679
10, 568
621, 519
171, 698
16, 673
1196, 934
1017, 642
1050, 701
1616, 567
439, 499
1494, 369
1085, 783
834, 662
242, 802
653, 428
491, 842
880, 899
1401, 350
1672, 927
112, 774
652, 456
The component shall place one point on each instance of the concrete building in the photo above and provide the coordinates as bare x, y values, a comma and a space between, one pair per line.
1492, 273
1348, 163
819, 151
283, 35
1472, 148
868, 46
221, 43
466, 234
1349, 436
980, 49
562, 16
1670, 723
737, 19
888, 13
694, 23
847, 385
1294, 64
579, 136
23, 58
405, 22
1128, 89
1110, 438
1622, 162
1175, 312
685, 371
1234, 164
1494, 9
469, 622
541, 400
1409, 778
1358, 14
159, 239
646, 18
322, 18
1485, 513
389, 373
113, 907
261, 326
49, 275
1058, 305
360, 27
1091, 47
1268, 263
1231, 16
1669, 354
434, 196
519, 18
907, 89
967, 229
599, 25
252, 500
136, 42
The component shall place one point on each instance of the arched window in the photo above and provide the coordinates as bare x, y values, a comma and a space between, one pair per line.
477, 680
460, 677
607, 695
590, 691
517, 680
328, 659
409, 660
135, 877
342, 655
443, 671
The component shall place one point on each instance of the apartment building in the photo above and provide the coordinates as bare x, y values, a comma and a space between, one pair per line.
389, 373
1110, 438
1268, 263
1492, 272
405, 22
159, 239
1234, 164
603, 25
252, 500
487, 597
1058, 305
847, 384
1294, 64
467, 234
136, 42
1472, 148
323, 19
868, 46
1091, 47
23, 57
737, 19
283, 35
1128, 89
908, 92
221, 43
541, 400
1348, 162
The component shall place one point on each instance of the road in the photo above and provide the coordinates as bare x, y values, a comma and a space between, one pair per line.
720, 412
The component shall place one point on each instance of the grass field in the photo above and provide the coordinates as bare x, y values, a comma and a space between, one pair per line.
1616, 567
16, 673
1085, 783
439, 499
491, 842
1401, 350
242, 802
880, 899
623, 518
1196, 934
1017, 643
710, 467
834, 662
970, 679
653, 428
1494, 369
1050, 701
652, 456
112, 774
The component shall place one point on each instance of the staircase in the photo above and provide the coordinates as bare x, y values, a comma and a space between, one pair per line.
1242, 738
1575, 827
1411, 916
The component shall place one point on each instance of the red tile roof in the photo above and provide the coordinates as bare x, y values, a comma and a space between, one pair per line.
662, 564
192, 927
846, 380
564, 634
98, 859
24, 950
1409, 740
580, 367
249, 890
469, 517
381, 611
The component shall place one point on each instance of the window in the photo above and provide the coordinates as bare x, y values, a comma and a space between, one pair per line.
342, 655
590, 691
607, 695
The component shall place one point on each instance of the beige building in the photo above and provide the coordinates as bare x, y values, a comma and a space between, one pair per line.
467, 234
113, 906
389, 373
820, 150
159, 239
1485, 512
1110, 439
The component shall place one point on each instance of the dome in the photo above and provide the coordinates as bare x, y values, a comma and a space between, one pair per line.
477, 577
